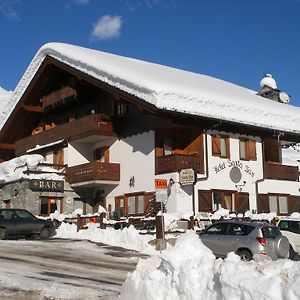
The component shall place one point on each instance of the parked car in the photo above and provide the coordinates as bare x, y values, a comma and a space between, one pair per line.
20, 222
245, 238
290, 228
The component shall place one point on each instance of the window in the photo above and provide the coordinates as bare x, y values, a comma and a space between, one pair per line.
135, 204
278, 204
220, 146
247, 149
217, 229
168, 149
101, 154
239, 229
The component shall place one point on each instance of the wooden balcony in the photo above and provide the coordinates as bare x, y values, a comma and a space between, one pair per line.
280, 172
93, 171
177, 162
57, 97
87, 126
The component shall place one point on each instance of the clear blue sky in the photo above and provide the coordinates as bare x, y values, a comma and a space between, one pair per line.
235, 40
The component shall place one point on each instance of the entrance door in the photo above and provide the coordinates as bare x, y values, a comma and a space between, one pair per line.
49, 205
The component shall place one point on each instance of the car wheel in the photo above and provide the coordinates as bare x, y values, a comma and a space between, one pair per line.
244, 254
292, 253
2, 233
282, 246
45, 233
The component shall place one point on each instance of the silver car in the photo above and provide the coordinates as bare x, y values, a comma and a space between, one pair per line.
245, 238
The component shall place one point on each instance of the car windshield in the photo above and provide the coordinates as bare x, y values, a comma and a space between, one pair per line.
270, 232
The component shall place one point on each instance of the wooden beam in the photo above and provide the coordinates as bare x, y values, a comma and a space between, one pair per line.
33, 108
7, 146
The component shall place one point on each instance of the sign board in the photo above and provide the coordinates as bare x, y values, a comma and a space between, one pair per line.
161, 190
47, 185
187, 177
161, 183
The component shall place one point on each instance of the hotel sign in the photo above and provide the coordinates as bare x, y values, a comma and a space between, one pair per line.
47, 185
187, 177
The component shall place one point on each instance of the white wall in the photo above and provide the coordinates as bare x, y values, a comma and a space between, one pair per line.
78, 154
136, 156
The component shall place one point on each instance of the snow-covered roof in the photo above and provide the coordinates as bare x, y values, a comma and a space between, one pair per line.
169, 88
5, 103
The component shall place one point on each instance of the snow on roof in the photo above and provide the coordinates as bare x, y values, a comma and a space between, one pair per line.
169, 88
16, 169
6, 104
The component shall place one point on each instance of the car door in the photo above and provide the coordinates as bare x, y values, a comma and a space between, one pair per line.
7, 221
213, 238
26, 223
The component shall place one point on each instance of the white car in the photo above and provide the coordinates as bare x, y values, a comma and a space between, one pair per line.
290, 228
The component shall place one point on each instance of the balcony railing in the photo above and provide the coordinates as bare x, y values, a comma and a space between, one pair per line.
93, 171
280, 172
86, 126
177, 162
56, 97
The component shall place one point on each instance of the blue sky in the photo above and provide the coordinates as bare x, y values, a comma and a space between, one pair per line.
235, 40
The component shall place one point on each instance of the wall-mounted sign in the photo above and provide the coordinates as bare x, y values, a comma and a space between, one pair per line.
187, 177
47, 185
161, 190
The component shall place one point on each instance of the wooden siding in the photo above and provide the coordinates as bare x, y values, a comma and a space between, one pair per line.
280, 172
93, 171
79, 128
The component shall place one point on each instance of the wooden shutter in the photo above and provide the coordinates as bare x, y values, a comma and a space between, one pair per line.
263, 204
205, 201
242, 202
293, 204
216, 145
251, 150
58, 157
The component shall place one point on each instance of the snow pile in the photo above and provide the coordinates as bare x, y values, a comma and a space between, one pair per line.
268, 81
291, 156
16, 168
169, 88
128, 237
171, 219
190, 271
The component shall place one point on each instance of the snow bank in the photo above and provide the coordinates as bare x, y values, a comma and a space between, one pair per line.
16, 168
128, 237
190, 271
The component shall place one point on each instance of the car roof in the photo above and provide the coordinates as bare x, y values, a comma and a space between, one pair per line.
255, 223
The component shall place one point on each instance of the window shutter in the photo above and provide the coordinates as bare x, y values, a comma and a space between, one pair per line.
294, 204
216, 146
205, 201
242, 203
58, 157
252, 150
263, 203
227, 140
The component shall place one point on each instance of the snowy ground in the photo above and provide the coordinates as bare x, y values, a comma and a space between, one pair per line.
62, 269
188, 270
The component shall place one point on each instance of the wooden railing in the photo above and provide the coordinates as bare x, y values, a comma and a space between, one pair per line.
58, 96
86, 126
93, 171
280, 172
177, 162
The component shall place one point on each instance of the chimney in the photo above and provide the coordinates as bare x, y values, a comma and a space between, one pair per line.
270, 91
